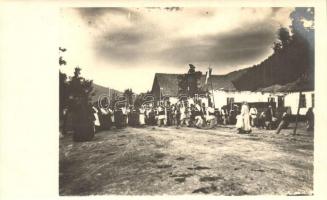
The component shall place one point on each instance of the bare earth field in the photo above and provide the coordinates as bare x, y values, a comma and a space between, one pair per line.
155, 161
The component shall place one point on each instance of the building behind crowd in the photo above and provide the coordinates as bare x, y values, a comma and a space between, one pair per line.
166, 85
221, 90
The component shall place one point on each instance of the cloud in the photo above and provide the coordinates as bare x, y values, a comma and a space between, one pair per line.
95, 12
148, 40
177, 43
236, 47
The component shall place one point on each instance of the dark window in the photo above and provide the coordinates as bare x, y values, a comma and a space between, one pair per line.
230, 100
271, 99
281, 102
303, 103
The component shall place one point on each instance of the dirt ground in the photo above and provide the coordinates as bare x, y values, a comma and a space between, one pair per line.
166, 160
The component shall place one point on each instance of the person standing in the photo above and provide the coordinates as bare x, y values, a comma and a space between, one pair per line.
253, 116
182, 110
178, 115
130, 116
198, 116
112, 117
210, 117
105, 116
173, 115
239, 122
96, 119
285, 121
142, 116
152, 117
161, 116
120, 117
168, 109
245, 114
224, 115
261, 120
187, 118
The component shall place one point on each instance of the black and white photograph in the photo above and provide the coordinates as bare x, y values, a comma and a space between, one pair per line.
186, 101
175, 100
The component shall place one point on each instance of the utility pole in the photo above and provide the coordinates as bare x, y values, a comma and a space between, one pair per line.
213, 96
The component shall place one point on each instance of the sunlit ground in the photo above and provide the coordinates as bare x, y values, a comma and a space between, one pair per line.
166, 160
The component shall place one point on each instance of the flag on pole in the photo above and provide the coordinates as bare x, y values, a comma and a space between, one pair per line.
208, 74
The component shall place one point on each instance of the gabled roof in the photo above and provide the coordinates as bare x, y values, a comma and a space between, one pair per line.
219, 82
168, 83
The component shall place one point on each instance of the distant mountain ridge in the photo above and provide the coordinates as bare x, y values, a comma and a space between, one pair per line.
101, 90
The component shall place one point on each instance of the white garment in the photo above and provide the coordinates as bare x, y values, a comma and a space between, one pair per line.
142, 117
199, 121
104, 111
209, 114
197, 106
253, 112
97, 121
161, 116
245, 113
239, 121
124, 110
183, 115
112, 115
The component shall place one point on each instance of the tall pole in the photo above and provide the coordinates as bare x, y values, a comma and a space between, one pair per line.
213, 96
297, 113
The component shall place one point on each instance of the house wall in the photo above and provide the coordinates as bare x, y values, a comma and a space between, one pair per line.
290, 99
220, 97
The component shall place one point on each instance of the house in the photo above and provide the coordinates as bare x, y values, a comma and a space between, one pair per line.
165, 86
222, 91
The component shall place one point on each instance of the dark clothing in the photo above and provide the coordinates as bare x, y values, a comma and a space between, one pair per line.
169, 116
83, 123
119, 119
152, 118
269, 114
178, 117
197, 113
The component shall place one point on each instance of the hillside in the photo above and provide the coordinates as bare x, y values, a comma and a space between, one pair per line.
284, 67
101, 90
234, 75
292, 63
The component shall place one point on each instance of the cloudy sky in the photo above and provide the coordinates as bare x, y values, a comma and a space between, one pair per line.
124, 47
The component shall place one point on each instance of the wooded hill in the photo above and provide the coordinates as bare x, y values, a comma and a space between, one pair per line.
291, 64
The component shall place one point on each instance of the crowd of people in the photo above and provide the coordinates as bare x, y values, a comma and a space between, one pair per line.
185, 114
195, 114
